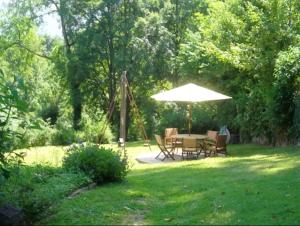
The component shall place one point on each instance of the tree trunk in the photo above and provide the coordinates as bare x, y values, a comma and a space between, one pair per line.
74, 83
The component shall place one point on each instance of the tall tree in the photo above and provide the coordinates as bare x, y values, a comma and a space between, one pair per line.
238, 50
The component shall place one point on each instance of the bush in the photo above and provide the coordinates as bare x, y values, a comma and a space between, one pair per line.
101, 164
63, 134
90, 129
50, 113
36, 188
39, 135
92, 124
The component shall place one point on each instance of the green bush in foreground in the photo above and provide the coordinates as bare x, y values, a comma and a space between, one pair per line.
101, 164
35, 189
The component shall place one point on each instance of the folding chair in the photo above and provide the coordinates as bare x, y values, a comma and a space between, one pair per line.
190, 148
171, 141
212, 134
164, 149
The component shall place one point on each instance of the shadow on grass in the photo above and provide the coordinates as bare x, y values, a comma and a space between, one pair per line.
210, 191
244, 150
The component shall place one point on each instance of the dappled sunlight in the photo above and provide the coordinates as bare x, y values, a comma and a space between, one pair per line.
136, 193
274, 166
220, 216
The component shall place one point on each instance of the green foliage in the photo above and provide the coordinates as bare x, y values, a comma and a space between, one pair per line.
39, 136
50, 112
286, 85
12, 125
172, 116
101, 164
161, 44
92, 125
36, 188
176, 115
240, 53
63, 134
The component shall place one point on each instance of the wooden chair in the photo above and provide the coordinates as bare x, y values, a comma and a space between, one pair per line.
168, 133
217, 146
167, 151
171, 141
212, 134
190, 148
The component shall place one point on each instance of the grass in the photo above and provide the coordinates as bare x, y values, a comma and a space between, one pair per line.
48, 155
254, 185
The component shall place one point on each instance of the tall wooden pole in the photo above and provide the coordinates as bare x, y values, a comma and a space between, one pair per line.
190, 117
123, 92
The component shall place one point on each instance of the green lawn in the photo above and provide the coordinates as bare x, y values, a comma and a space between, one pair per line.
254, 185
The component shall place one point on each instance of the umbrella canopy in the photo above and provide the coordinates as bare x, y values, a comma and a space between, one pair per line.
189, 93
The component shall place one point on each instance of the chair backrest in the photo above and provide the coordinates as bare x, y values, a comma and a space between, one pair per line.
158, 140
221, 141
212, 134
189, 143
170, 131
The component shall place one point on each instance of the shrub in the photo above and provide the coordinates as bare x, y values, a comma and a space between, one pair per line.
101, 164
39, 135
90, 130
63, 133
63, 136
36, 188
50, 113
92, 124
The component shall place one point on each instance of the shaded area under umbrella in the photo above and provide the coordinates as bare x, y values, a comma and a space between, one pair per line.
189, 93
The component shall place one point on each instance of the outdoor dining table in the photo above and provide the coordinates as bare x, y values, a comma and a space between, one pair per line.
199, 137
177, 140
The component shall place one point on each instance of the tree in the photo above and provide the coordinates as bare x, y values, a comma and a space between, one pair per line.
237, 52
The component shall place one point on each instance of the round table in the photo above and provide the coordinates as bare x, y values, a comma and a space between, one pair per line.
178, 142
197, 136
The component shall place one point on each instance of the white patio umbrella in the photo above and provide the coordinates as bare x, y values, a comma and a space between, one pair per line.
189, 93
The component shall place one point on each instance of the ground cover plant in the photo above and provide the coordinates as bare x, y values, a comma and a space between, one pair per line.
35, 188
253, 185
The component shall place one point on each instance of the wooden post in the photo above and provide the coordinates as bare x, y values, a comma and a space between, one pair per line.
190, 117
123, 98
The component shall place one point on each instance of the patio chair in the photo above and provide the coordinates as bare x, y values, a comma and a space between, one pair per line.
190, 148
171, 141
217, 146
167, 151
168, 133
212, 135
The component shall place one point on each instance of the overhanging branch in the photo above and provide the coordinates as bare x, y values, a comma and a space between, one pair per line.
20, 45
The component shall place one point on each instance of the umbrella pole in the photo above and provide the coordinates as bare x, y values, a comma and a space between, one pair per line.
190, 117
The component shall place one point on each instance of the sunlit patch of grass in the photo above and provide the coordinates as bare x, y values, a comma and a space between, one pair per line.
50, 155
